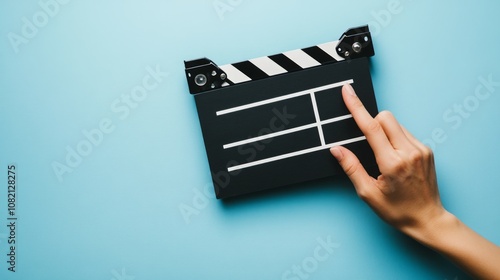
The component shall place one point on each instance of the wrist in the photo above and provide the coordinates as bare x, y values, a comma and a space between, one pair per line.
433, 230
447, 235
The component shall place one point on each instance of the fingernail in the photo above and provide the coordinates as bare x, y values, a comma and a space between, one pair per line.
337, 153
350, 90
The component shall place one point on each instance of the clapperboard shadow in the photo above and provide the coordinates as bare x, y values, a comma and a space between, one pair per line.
270, 121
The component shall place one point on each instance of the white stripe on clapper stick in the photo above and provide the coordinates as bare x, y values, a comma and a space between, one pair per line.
267, 65
301, 58
234, 74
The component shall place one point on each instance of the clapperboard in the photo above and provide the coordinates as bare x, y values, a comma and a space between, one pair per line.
270, 121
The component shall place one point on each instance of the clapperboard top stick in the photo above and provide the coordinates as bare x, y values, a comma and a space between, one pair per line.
269, 121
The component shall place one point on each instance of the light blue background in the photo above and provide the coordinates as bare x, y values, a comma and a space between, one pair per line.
117, 215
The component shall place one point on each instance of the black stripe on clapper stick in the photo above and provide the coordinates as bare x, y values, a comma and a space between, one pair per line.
318, 54
285, 62
249, 69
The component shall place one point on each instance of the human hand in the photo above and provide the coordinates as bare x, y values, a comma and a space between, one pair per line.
406, 194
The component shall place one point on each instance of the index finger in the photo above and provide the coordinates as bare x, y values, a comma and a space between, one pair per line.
370, 127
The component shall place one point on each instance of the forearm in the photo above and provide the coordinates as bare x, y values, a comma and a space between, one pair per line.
452, 238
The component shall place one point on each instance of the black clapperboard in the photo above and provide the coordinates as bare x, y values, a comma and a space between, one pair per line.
270, 121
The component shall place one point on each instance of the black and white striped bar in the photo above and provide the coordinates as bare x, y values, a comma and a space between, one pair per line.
291, 61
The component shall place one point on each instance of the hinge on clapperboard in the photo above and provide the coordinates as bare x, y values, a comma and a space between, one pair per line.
204, 75
269, 121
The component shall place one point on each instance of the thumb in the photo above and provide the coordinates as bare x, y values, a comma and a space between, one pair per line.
354, 170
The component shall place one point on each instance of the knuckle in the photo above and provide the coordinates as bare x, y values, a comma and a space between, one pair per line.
373, 127
428, 153
351, 168
416, 156
363, 194
384, 116
397, 167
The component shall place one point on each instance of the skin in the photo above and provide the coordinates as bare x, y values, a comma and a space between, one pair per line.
406, 193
